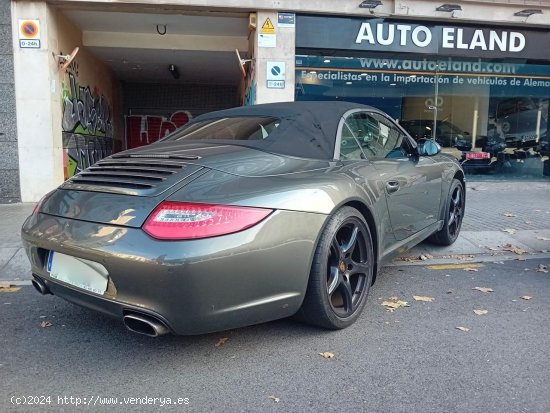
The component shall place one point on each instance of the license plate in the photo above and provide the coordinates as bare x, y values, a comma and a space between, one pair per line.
78, 272
478, 155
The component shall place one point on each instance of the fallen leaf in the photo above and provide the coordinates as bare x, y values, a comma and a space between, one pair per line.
45, 324
509, 214
423, 298
526, 297
462, 328
8, 288
480, 312
483, 289
275, 399
425, 257
544, 238
509, 230
470, 269
394, 298
392, 305
542, 268
221, 341
514, 249
327, 355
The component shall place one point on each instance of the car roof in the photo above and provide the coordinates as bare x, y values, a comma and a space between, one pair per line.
307, 129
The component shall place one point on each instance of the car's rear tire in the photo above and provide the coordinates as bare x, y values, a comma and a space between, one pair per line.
454, 213
341, 273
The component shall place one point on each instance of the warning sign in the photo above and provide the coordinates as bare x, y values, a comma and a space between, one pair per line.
29, 34
267, 27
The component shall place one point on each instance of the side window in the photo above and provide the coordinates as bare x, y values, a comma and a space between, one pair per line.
392, 143
349, 147
365, 131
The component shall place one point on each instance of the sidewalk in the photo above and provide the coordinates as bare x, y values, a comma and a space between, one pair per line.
504, 220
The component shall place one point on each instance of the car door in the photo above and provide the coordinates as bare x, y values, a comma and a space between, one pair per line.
411, 183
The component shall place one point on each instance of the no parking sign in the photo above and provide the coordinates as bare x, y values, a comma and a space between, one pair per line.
29, 34
276, 75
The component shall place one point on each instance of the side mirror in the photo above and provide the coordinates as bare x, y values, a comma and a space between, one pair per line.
428, 147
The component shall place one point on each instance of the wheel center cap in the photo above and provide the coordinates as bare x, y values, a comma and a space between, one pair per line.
342, 266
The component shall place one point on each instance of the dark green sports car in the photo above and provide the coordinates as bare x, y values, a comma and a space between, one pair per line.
243, 216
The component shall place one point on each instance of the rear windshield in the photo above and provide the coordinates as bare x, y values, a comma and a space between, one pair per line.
245, 128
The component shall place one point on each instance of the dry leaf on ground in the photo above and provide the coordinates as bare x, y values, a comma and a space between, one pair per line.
45, 324
423, 298
542, 268
8, 288
471, 269
509, 214
392, 305
514, 249
526, 297
483, 289
480, 312
509, 230
221, 341
327, 355
544, 238
275, 399
462, 328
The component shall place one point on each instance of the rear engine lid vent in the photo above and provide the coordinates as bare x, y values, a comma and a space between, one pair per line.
133, 174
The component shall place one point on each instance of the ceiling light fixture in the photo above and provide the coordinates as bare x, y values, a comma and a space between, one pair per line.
173, 69
528, 12
449, 7
370, 4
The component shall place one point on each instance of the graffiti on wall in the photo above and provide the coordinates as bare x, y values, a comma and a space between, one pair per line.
83, 113
86, 124
144, 129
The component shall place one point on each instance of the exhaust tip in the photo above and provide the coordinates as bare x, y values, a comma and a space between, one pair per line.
145, 324
40, 286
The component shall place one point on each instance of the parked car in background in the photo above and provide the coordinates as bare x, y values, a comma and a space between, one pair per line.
457, 142
244, 216
518, 119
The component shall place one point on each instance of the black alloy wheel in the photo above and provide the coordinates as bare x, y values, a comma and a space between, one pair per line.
342, 272
454, 214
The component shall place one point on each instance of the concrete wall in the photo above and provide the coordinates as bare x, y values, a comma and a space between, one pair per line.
42, 93
89, 83
9, 167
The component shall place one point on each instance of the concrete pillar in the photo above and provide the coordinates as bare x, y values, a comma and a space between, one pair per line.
40, 146
283, 52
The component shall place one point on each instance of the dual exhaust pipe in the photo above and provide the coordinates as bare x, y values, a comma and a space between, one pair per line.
145, 324
39, 285
135, 322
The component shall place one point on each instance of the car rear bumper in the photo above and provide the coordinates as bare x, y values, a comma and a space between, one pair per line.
193, 287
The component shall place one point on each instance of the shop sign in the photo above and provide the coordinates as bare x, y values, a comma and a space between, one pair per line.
382, 35
286, 19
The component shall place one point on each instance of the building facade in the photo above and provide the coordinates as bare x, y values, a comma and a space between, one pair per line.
81, 80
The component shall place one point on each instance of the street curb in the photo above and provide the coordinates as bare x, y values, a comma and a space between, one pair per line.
470, 260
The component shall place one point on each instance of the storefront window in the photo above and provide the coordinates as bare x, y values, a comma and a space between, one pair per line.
491, 114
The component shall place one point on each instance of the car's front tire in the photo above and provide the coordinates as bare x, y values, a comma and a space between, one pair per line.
454, 213
341, 273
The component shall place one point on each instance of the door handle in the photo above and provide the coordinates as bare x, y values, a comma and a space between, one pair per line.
392, 186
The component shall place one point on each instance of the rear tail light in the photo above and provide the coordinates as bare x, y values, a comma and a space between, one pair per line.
183, 220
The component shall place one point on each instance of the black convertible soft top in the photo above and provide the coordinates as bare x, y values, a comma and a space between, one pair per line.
307, 129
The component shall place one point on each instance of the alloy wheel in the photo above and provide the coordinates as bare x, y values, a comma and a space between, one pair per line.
456, 211
348, 269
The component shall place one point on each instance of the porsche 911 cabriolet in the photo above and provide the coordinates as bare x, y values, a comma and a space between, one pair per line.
244, 216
